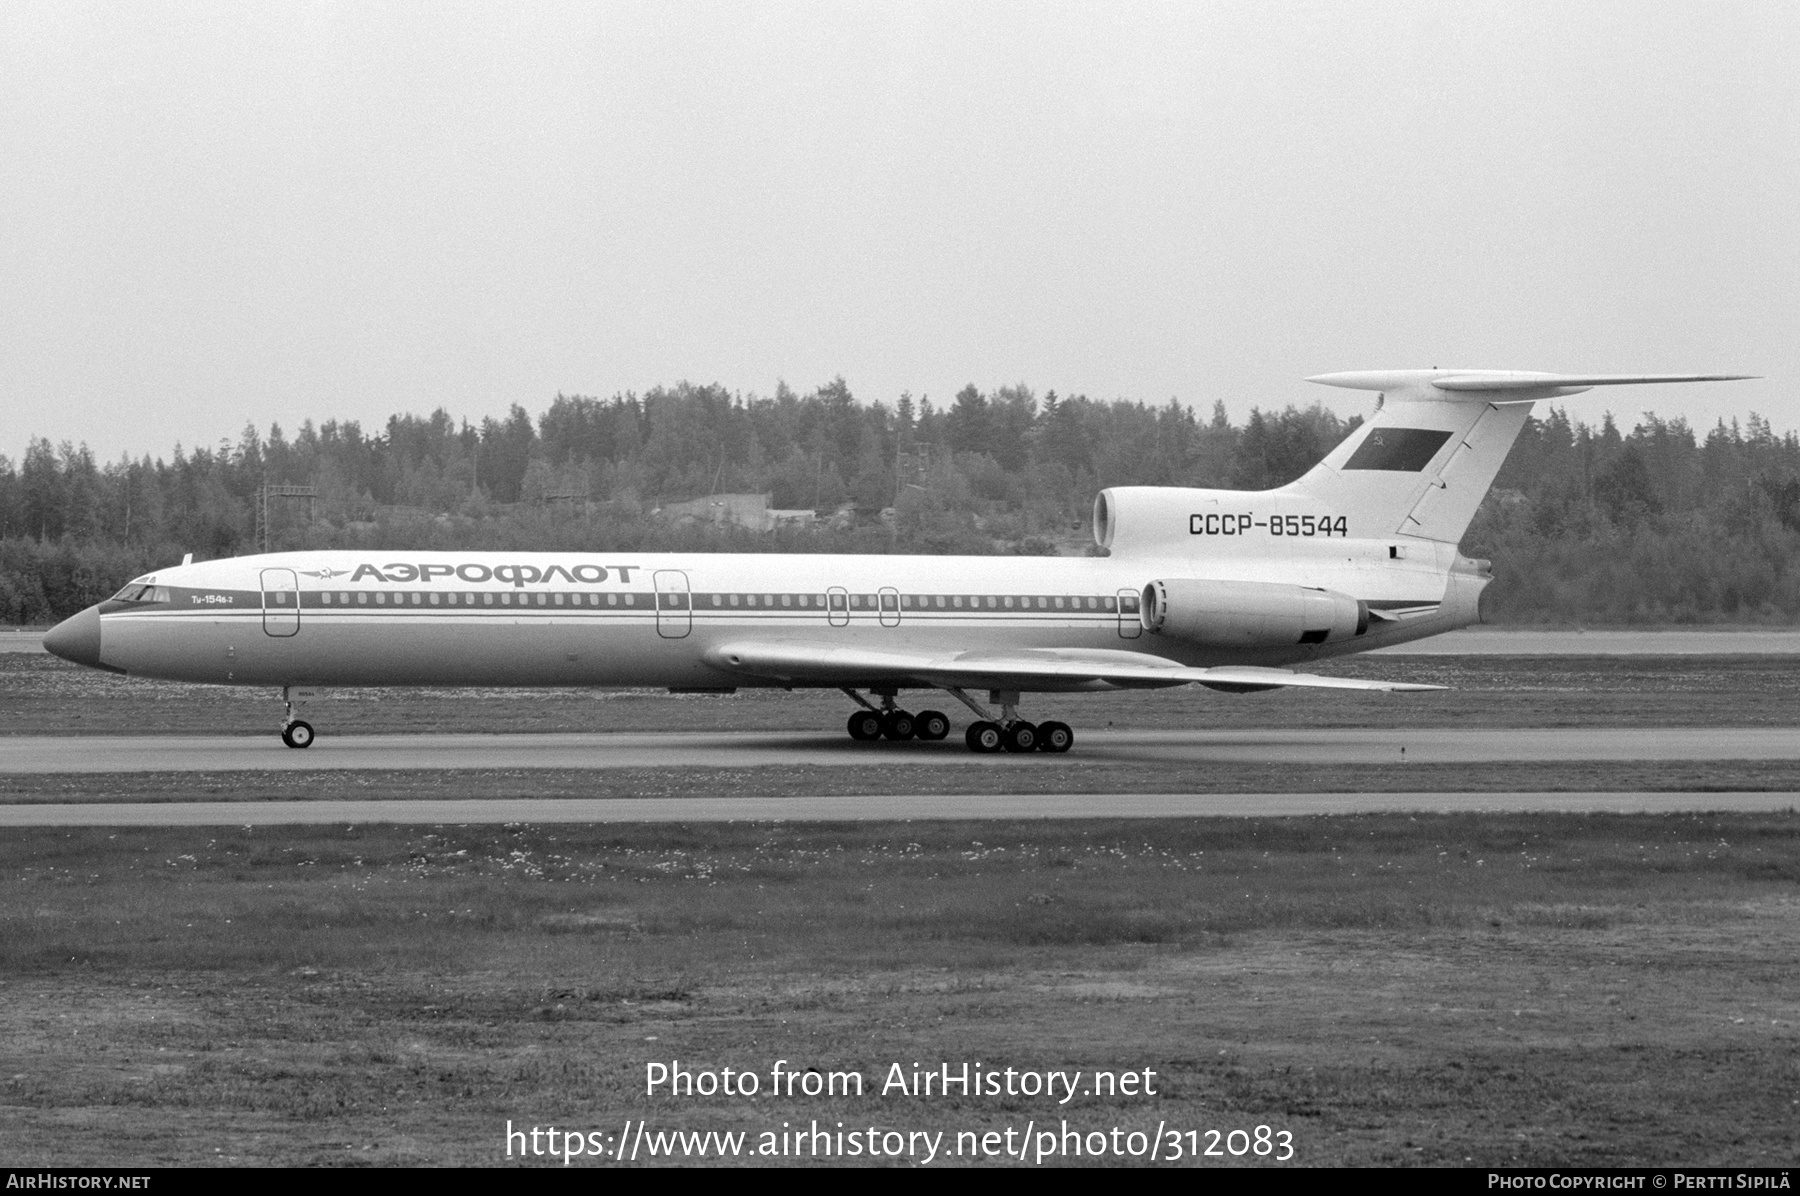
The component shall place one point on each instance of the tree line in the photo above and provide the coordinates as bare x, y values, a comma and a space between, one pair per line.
1585, 524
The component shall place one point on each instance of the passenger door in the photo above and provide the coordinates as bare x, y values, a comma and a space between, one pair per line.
674, 606
280, 602
1130, 624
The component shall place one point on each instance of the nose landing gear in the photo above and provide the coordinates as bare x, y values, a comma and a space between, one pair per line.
295, 732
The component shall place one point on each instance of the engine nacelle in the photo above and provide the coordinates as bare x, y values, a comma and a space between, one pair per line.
1250, 614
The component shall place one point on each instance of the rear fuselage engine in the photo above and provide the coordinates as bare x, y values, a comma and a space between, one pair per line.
1250, 614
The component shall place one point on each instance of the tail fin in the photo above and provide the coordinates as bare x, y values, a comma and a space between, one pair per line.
1423, 463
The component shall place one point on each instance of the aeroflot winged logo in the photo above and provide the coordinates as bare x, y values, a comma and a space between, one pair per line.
474, 572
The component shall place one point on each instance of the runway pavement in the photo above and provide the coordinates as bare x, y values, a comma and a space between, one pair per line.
842, 808
21, 755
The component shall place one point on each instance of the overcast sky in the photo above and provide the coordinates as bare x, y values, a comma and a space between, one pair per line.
220, 214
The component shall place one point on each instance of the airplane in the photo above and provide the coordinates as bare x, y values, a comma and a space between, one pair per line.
1221, 588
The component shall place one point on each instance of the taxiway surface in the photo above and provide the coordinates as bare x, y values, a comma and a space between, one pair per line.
24, 755
850, 808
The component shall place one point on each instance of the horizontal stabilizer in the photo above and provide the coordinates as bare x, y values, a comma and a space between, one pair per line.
1518, 383
1023, 669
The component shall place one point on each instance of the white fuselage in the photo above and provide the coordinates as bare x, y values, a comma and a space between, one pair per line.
338, 618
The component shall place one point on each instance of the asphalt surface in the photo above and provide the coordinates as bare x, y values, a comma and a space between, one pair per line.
843, 808
24, 755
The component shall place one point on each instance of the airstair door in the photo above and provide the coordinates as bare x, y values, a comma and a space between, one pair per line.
280, 602
674, 607
890, 606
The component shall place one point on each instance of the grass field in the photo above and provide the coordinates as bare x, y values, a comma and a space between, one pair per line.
1067, 775
1594, 990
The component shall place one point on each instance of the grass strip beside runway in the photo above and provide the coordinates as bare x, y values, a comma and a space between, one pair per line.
1577, 990
1071, 775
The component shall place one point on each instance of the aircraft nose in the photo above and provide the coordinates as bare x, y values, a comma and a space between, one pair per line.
76, 638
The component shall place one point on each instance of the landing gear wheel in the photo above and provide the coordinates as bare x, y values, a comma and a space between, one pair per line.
931, 724
865, 725
984, 737
1021, 737
1055, 737
297, 734
898, 725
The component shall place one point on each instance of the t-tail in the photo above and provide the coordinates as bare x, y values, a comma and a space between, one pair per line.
1422, 464
1375, 525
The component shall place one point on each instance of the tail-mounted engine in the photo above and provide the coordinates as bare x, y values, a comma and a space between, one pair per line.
1250, 614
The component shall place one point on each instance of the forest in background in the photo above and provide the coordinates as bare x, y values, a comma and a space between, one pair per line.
1586, 524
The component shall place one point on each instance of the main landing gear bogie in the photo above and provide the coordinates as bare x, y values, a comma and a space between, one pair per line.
898, 725
1005, 733
1019, 736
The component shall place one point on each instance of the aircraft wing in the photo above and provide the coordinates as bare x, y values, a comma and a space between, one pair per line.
812, 663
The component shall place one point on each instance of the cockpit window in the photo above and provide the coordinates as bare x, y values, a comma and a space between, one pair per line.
136, 592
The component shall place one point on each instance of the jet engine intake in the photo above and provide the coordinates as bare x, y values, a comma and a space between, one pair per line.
1250, 614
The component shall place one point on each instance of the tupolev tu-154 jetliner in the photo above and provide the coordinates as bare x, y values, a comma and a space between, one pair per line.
1223, 588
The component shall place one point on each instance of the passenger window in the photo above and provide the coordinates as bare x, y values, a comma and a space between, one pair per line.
362, 599
631, 600
1059, 604
1108, 603
325, 598
940, 602
487, 600
956, 602
787, 600
734, 600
